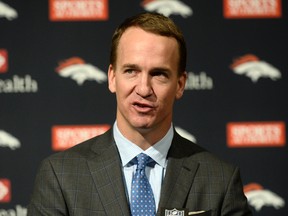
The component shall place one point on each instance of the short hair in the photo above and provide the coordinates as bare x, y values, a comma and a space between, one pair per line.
157, 24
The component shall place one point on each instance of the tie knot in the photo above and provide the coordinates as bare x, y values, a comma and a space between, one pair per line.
144, 160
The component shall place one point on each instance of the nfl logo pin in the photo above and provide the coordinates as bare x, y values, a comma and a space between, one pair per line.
174, 212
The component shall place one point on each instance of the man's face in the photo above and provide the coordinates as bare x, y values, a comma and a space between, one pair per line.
145, 80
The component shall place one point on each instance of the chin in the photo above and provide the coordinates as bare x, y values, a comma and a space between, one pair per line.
142, 125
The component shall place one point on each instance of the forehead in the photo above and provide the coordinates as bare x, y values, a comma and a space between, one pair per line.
134, 33
135, 39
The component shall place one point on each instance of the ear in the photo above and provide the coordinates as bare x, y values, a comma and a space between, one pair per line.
181, 85
111, 79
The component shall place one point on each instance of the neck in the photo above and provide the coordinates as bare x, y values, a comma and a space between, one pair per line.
144, 138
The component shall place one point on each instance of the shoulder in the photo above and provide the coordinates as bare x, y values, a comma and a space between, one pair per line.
85, 150
198, 154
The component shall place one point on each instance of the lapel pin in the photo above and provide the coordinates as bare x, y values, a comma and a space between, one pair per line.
174, 212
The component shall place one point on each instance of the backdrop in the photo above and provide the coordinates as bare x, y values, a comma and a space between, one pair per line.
53, 86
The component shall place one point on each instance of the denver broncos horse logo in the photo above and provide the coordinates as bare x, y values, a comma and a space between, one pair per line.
7, 11
7, 140
167, 7
78, 70
254, 68
258, 197
186, 134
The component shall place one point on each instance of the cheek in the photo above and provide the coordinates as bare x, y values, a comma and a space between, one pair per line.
167, 96
123, 90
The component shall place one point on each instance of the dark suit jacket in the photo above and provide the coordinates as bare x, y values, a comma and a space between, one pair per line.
88, 180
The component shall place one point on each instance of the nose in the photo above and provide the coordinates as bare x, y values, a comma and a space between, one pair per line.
144, 87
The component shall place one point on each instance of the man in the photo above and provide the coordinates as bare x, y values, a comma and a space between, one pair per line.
99, 176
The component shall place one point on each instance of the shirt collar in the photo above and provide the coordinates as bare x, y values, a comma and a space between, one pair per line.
128, 150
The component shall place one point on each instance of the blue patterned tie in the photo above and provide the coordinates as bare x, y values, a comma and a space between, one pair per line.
142, 198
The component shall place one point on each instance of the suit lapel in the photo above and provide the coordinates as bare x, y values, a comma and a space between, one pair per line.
105, 168
179, 174
106, 171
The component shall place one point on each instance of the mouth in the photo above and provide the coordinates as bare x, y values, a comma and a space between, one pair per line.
143, 107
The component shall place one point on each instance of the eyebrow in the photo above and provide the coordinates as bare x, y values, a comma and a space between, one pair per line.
130, 66
165, 69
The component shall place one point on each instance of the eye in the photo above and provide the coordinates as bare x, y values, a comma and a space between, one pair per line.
129, 71
159, 73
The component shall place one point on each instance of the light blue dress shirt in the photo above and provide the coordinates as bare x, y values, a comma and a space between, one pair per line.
158, 152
